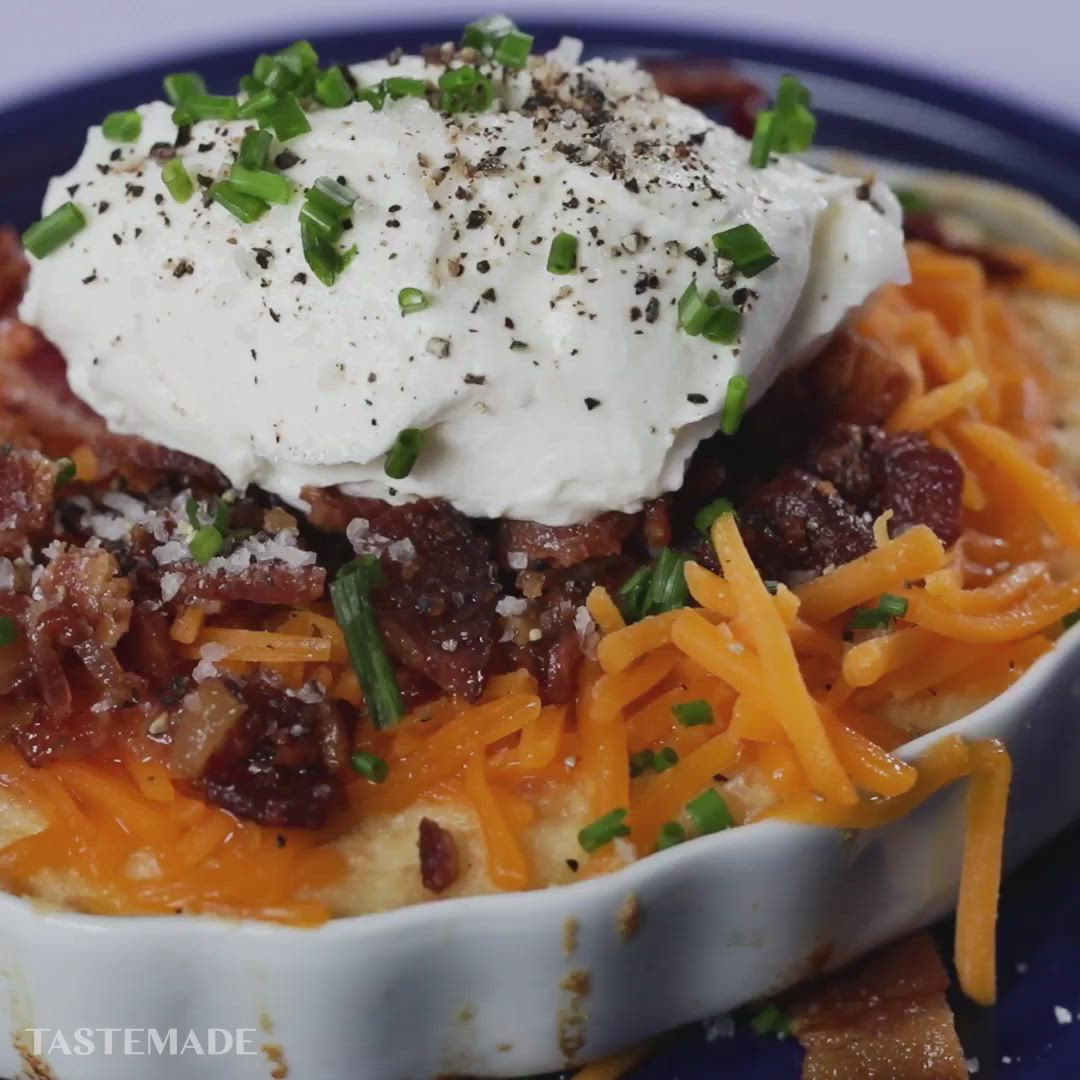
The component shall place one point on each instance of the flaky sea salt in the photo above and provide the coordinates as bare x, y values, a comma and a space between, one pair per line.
1062, 1015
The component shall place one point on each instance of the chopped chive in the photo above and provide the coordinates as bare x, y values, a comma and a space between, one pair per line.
889, 607
255, 149
256, 104
665, 758
632, 592
641, 762
246, 208
122, 126
398, 86
562, 258
177, 180
667, 589
723, 325
913, 201
464, 89
746, 248
182, 85
54, 230
269, 186
603, 830
694, 311
264, 64
206, 543
191, 508
693, 713
794, 125
402, 456
706, 517
671, 833
760, 147
324, 260
287, 118
738, 390
333, 89
512, 49
351, 596
320, 221
222, 516
302, 51
250, 85
284, 75
9, 631
375, 95
65, 472
772, 587
335, 198
709, 812
370, 766
1071, 619
412, 300
482, 34
208, 107
772, 1020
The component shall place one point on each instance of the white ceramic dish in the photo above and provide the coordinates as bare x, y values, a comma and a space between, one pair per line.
487, 986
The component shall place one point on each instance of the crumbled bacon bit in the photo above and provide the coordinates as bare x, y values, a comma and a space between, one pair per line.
439, 861
564, 545
263, 583
884, 1018
26, 497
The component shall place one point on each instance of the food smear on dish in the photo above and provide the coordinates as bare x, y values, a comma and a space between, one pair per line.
519, 291
304, 699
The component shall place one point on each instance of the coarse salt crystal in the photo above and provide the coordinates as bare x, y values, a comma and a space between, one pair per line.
1062, 1015
510, 605
170, 585
517, 560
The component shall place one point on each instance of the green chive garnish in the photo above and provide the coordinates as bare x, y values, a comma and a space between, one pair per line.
631, 594
264, 64
177, 180
254, 149
65, 472
704, 314
398, 86
889, 607
302, 51
375, 95
512, 49
603, 830
334, 198
671, 833
667, 589
1071, 619
324, 260
693, 713
657, 760
351, 596
482, 34
333, 89
268, 186
206, 107
738, 390
746, 248
412, 300
709, 812
562, 258
182, 85
246, 208
771, 1021
287, 118
54, 230
403, 455
913, 201
206, 543
788, 127
9, 631
464, 89
257, 104
370, 766
122, 126
706, 517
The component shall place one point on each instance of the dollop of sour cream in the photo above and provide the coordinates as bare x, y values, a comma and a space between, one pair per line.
542, 396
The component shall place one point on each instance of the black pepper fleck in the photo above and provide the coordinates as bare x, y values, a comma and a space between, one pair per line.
592, 403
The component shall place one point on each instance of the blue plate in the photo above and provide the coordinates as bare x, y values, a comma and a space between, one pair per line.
879, 110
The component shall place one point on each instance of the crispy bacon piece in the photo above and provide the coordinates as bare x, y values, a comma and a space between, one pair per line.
855, 381
87, 582
562, 545
14, 271
281, 758
710, 83
440, 865
332, 509
263, 583
26, 497
884, 1018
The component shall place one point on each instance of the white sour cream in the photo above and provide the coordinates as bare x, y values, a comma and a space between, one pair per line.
544, 397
